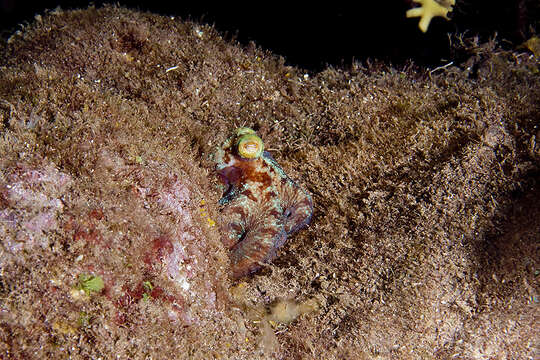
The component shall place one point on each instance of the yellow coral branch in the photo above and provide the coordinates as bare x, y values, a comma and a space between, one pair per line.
428, 10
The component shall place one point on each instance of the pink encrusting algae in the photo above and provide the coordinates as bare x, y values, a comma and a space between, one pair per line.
33, 193
172, 261
135, 226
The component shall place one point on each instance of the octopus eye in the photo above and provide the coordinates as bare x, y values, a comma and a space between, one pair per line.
250, 146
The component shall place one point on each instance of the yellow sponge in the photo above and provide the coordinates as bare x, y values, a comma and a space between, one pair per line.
429, 9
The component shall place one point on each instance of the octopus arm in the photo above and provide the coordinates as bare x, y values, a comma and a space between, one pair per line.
261, 232
230, 193
229, 177
297, 207
296, 203
252, 251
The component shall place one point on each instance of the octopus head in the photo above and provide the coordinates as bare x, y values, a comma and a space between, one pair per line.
247, 144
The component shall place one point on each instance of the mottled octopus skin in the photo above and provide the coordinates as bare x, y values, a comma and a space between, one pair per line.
263, 206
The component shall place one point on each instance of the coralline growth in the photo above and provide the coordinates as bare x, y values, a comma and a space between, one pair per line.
428, 10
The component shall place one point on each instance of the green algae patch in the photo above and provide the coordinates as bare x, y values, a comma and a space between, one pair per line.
90, 284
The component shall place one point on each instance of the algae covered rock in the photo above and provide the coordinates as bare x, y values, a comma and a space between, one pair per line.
425, 223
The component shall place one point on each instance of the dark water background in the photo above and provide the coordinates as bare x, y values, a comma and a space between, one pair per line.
335, 33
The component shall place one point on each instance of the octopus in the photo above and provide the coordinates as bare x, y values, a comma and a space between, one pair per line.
261, 204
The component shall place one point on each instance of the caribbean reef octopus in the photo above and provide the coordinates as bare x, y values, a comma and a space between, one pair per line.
262, 205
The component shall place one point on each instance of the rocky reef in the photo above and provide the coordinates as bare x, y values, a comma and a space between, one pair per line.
424, 237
